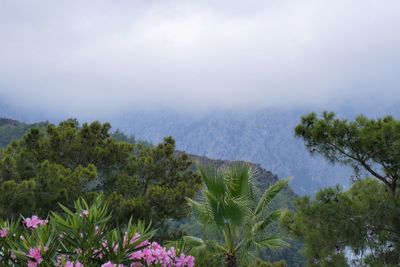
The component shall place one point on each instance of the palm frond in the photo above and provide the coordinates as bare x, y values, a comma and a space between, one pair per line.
269, 194
229, 206
271, 242
202, 211
213, 179
238, 209
217, 208
238, 179
271, 218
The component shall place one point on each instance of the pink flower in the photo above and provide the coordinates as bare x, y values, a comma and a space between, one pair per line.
135, 238
184, 261
108, 264
143, 244
13, 256
34, 222
190, 261
137, 255
32, 264
155, 245
34, 254
181, 261
73, 264
172, 252
3, 232
148, 256
156, 254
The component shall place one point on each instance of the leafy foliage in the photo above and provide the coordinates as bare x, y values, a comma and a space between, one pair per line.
364, 219
231, 214
67, 161
362, 224
368, 144
11, 130
83, 237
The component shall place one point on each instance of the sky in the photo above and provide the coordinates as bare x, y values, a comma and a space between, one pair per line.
80, 57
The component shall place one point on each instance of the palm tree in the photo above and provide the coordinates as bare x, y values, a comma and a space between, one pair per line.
235, 214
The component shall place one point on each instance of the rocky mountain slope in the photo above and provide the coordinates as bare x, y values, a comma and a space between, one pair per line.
264, 137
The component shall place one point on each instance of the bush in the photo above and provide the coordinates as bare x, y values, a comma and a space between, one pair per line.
83, 238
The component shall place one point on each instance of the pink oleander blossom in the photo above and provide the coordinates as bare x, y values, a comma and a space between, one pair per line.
184, 261
109, 264
34, 222
156, 254
190, 261
3, 232
35, 257
73, 264
32, 264
135, 238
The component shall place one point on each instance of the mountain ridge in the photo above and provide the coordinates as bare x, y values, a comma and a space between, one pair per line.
11, 129
265, 137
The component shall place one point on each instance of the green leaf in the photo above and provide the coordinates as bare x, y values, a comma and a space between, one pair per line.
269, 194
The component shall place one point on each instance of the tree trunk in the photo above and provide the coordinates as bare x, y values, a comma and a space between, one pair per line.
230, 260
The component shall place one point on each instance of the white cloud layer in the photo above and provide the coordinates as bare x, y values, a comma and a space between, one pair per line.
108, 56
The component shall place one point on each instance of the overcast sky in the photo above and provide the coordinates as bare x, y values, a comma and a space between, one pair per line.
106, 56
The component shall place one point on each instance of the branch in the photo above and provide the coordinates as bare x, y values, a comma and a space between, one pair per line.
359, 159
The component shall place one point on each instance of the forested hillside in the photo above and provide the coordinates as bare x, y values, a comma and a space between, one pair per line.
53, 164
12, 129
264, 137
51, 154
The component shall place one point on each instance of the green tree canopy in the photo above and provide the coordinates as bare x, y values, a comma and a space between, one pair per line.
67, 161
365, 144
364, 220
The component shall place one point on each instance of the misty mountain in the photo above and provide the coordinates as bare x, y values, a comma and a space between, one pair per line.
262, 136
265, 137
11, 130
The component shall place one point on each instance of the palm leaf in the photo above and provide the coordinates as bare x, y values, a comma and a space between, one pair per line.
202, 211
213, 179
271, 218
238, 179
271, 242
269, 194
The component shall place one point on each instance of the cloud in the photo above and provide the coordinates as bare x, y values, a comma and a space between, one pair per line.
75, 57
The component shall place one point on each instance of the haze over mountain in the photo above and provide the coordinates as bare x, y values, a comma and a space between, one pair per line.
262, 136
96, 58
227, 80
